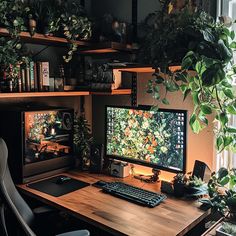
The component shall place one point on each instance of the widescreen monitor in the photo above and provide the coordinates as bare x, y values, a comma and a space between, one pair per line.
141, 135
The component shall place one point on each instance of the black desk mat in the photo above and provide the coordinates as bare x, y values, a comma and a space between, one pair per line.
50, 186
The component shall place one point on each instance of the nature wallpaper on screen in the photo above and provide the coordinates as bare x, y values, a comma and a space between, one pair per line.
153, 137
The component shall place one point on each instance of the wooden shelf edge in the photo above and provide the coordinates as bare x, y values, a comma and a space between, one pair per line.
44, 94
64, 94
106, 47
41, 38
113, 92
146, 69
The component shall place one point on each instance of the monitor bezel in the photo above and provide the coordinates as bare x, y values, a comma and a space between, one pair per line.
143, 163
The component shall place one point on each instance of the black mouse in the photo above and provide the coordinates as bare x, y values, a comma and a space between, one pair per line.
62, 179
99, 184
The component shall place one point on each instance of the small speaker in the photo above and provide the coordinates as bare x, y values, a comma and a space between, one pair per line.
201, 170
96, 158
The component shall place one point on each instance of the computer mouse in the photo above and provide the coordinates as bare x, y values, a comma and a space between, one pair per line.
62, 179
100, 184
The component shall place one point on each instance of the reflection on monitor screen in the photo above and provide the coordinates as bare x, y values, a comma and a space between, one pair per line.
152, 138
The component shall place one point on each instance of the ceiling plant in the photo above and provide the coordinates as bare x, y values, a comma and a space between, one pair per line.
191, 38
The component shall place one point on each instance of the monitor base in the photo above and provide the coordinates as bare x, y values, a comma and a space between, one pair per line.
149, 178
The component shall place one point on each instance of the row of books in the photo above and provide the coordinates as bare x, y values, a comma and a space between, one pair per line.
34, 77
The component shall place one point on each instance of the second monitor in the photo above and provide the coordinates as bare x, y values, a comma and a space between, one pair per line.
151, 138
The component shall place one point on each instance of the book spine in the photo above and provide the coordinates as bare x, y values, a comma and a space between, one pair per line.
23, 79
27, 76
40, 76
35, 78
31, 68
45, 76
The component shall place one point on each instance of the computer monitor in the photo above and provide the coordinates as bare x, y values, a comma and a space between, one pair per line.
146, 137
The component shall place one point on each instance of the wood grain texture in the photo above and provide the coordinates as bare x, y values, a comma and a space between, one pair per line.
42, 39
114, 92
120, 217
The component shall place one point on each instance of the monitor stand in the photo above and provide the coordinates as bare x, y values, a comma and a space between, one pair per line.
149, 178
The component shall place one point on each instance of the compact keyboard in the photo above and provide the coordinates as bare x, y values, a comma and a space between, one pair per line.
133, 194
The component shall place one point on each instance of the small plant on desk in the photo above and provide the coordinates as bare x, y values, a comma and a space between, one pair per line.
179, 184
226, 229
82, 140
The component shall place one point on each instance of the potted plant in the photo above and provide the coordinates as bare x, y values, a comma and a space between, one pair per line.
82, 141
193, 39
179, 184
222, 192
226, 229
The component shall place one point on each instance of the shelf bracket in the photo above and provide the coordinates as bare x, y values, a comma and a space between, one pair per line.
134, 89
135, 19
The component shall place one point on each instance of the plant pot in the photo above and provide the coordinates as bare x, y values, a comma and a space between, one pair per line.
219, 232
32, 26
179, 189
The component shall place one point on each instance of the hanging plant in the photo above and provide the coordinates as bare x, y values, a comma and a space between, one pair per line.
194, 40
71, 21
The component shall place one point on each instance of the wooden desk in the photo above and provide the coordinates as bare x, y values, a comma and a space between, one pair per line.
120, 217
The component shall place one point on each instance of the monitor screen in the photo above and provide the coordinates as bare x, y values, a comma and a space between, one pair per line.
152, 138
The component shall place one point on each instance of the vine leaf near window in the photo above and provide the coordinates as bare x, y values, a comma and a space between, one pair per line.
204, 49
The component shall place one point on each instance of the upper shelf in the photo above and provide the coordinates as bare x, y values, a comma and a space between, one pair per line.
146, 69
107, 47
42, 39
63, 94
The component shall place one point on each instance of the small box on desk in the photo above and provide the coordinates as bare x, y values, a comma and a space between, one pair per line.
120, 169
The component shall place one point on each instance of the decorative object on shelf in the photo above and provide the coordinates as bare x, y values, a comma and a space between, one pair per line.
203, 46
82, 140
102, 77
108, 28
226, 229
222, 193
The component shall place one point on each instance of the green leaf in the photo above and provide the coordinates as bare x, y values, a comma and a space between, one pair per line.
227, 140
231, 109
224, 181
222, 172
196, 126
186, 93
159, 79
192, 119
231, 129
206, 109
219, 142
186, 63
223, 118
233, 45
165, 101
213, 75
232, 35
196, 100
228, 93
200, 67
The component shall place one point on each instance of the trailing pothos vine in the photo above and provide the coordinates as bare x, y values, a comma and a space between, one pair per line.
206, 48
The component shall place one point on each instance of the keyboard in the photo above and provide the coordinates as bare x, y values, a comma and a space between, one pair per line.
133, 194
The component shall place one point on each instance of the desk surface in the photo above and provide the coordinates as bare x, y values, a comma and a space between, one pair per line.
120, 217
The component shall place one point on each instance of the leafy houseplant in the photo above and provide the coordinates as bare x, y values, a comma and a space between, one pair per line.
82, 140
12, 18
179, 184
226, 229
222, 192
194, 40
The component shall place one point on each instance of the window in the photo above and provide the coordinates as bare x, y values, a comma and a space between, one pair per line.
227, 8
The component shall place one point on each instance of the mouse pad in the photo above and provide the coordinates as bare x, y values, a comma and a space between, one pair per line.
51, 187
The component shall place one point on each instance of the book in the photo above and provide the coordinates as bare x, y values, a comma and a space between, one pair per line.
27, 78
43, 76
23, 79
32, 81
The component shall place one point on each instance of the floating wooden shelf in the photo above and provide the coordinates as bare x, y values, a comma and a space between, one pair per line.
146, 69
107, 47
63, 94
43, 94
114, 92
42, 39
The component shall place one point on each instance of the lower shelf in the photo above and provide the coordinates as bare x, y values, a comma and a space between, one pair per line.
63, 94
